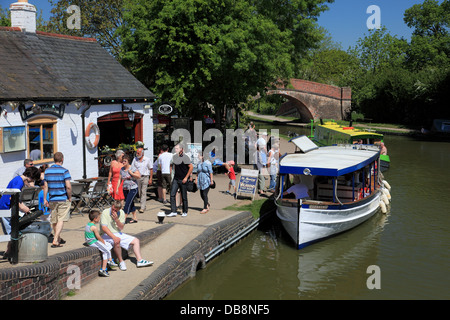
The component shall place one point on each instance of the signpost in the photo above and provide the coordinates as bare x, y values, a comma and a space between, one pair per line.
247, 183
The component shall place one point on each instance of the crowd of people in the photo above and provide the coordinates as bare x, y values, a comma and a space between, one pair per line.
129, 177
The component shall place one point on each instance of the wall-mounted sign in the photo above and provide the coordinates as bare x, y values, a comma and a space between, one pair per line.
165, 108
41, 109
12, 139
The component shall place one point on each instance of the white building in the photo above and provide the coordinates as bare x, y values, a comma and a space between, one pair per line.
55, 89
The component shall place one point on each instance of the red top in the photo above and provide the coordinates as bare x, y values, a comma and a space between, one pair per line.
231, 173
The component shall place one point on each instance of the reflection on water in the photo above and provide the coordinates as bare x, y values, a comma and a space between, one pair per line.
409, 245
267, 266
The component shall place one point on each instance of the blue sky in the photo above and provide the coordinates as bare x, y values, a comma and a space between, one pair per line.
345, 21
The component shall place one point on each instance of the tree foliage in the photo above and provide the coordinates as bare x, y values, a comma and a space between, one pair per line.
396, 80
201, 52
99, 19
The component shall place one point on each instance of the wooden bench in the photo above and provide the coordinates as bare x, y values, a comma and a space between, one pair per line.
344, 193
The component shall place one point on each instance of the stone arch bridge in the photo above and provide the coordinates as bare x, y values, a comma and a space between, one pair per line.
311, 100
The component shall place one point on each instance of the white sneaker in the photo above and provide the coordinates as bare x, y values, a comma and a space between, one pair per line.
123, 266
144, 263
172, 214
184, 214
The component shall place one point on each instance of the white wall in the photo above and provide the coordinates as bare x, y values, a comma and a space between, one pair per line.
11, 161
70, 139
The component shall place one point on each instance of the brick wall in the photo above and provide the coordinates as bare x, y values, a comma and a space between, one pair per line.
316, 88
184, 264
55, 277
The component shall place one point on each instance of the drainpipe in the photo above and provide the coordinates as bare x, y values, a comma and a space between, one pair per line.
83, 128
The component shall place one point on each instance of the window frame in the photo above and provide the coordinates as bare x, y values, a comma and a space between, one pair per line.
41, 121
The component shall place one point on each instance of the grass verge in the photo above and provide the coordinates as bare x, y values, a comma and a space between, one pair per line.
256, 207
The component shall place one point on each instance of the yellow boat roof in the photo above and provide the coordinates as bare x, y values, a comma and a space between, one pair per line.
348, 130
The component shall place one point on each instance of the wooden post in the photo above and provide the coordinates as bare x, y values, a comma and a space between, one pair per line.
14, 228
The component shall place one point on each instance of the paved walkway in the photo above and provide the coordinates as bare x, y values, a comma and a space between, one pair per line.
185, 229
121, 283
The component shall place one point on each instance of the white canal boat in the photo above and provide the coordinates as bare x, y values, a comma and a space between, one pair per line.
338, 188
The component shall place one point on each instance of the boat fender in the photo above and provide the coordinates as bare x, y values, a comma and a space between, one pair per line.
383, 207
386, 193
384, 199
387, 185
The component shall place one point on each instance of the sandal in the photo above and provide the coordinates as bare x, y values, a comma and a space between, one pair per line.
56, 246
133, 221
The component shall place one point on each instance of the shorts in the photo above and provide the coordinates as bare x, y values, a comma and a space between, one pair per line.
165, 180
125, 239
59, 211
233, 182
158, 178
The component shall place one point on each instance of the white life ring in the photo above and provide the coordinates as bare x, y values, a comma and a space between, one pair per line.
89, 143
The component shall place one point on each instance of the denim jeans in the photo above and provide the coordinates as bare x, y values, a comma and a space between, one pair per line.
129, 200
273, 181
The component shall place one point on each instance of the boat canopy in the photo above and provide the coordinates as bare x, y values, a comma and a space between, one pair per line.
304, 144
332, 161
352, 132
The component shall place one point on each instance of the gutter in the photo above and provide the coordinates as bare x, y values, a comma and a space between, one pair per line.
83, 128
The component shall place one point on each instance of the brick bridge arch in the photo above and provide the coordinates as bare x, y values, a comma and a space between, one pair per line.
313, 100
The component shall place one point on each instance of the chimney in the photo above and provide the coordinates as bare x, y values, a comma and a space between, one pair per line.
23, 15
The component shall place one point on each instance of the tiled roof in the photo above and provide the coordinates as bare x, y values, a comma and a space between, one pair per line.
41, 66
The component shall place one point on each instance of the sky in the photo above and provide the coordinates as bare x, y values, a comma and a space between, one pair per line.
346, 20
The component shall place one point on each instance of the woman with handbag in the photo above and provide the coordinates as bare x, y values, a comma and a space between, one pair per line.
128, 177
114, 190
204, 181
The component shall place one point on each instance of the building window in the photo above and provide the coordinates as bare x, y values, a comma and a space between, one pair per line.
41, 139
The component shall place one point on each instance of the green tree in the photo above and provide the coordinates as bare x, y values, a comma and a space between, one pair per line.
430, 42
300, 18
379, 50
429, 19
5, 21
197, 52
334, 67
99, 19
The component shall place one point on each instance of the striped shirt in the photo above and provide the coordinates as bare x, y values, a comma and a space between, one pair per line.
56, 177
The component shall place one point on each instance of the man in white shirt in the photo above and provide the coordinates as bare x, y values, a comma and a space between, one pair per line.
145, 167
164, 162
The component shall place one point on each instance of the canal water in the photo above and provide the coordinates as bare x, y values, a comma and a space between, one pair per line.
405, 251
